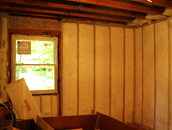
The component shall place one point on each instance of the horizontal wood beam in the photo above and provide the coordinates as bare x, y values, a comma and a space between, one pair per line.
165, 3
62, 13
121, 5
74, 8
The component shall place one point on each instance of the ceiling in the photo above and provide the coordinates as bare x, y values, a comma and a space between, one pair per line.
127, 12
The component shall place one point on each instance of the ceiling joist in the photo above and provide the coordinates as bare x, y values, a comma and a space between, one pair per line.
122, 5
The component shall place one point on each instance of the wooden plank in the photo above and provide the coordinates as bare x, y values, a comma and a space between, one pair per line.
54, 105
129, 74
138, 75
108, 123
37, 100
170, 60
121, 5
44, 5
69, 122
148, 76
161, 37
102, 69
86, 68
63, 13
117, 72
69, 90
46, 106
166, 3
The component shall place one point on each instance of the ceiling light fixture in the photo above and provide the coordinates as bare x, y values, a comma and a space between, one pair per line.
149, 1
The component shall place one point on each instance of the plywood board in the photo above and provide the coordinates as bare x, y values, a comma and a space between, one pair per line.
46, 106
86, 68
161, 38
129, 74
170, 105
102, 69
148, 76
54, 105
69, 90
138, 75
117, 72
37, 100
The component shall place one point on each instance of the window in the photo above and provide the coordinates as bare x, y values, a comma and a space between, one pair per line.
34, 58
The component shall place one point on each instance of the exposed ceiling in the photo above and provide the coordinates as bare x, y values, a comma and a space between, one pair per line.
128, 12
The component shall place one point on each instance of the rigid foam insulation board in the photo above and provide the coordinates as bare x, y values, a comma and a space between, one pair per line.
148, 76
117, 72
170, 28
54, 105
102, 69
129, 74
138, 75
46, 106
86, 68
37, 100
161, 38
69, 90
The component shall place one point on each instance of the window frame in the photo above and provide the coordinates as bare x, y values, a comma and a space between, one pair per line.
15, 37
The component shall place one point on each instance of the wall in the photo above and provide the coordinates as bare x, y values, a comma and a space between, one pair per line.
98, 70
153, 83
48, 104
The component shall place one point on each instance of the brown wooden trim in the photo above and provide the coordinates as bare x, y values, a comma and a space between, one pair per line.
60, 75
77, 69
169, 72
134, 75
94, 60
154, 79
110, 74
142, 78
34, 32
124, 78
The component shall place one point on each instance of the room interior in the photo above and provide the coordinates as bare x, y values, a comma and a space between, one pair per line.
115, 56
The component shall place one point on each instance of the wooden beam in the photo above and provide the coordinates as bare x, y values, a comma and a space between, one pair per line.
122, 5
56, 13
74, 8
165, 3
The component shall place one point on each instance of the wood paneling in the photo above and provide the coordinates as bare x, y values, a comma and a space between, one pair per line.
86, 68
148, 76
117, 72
129, 75
69, 99
161, 41
102, 69
46, 106
138, 75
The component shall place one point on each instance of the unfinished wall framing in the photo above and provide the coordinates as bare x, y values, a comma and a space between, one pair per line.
153, 75
99, 54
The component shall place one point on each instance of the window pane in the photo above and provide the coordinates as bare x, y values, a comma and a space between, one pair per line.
41, 52
37, 77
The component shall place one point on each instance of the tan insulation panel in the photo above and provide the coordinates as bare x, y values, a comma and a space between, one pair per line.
54, 105
37, 100
161, 38
102, 69
129, 74
86, 68
148, 76
117, 72
69, 90
138, 75
170, 105
46, 106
